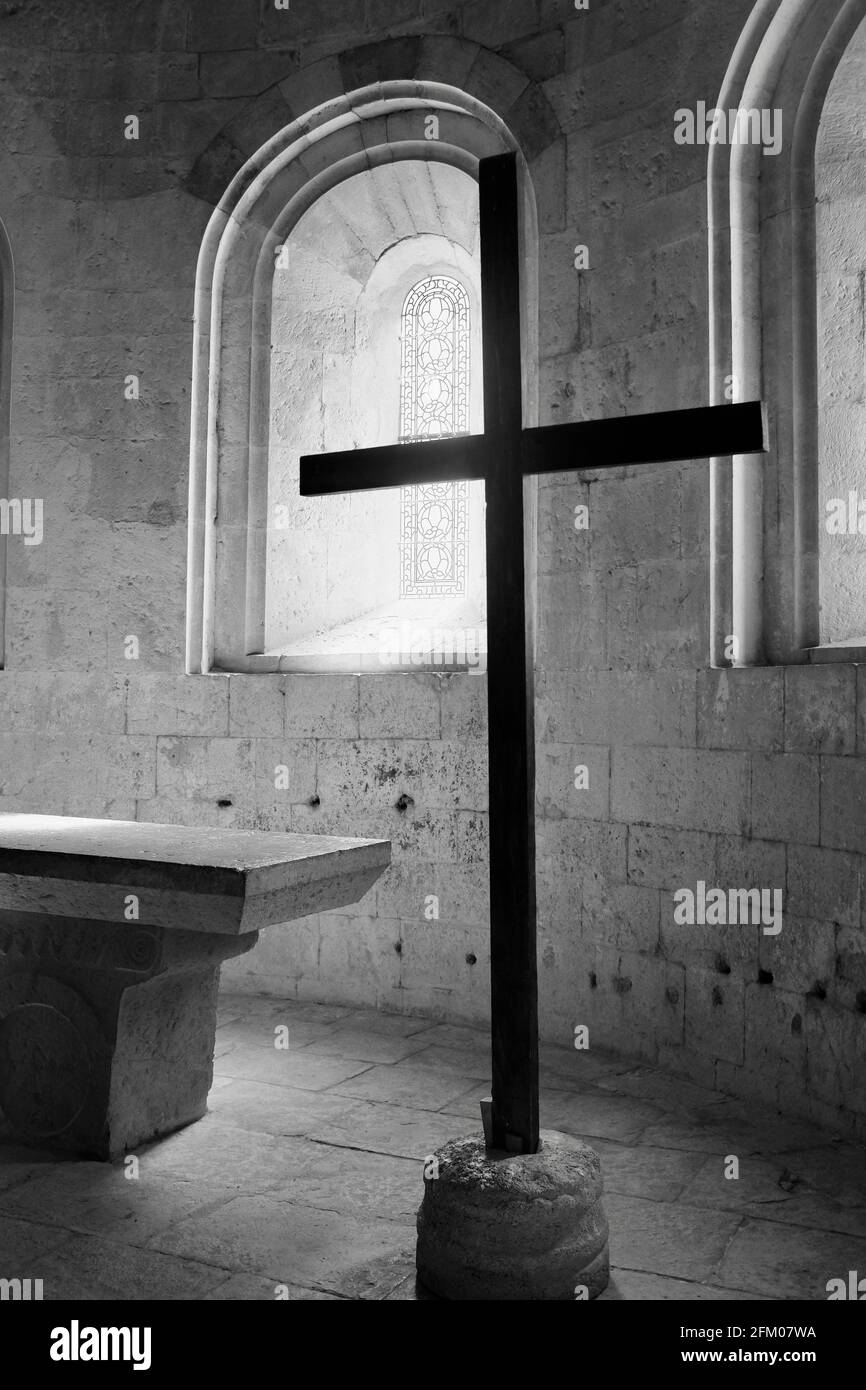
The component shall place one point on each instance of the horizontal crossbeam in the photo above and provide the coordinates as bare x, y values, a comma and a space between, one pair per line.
669, 436
714, 431
394, 465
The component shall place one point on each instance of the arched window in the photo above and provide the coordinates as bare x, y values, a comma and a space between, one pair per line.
302, 272
373, 327
776, 281
840, 211
434, 403
7, 291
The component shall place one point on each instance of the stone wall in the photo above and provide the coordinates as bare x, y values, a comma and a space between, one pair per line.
735, 778
329, 754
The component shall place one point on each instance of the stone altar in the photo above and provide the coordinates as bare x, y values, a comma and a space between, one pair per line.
112, 934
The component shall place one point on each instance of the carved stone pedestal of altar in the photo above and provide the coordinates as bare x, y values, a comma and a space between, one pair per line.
112, 934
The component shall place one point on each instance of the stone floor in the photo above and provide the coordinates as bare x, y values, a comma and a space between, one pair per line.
306, 1174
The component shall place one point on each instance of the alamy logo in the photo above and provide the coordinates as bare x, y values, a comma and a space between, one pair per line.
854, 1290
846, 518
22, 516
21, 1290
77, 1343
414, 645
742, 907
738, 127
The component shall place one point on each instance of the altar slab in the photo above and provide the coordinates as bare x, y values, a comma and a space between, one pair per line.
191, 879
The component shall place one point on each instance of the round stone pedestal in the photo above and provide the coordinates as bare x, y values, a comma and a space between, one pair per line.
505, 1226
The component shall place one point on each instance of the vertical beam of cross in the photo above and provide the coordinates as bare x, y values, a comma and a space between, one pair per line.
510, 677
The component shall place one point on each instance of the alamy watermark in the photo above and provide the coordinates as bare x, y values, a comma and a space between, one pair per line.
413, 644
718, 907
846, 517
77, 1343
853, 1288
21, 1290
22, 516
742, 126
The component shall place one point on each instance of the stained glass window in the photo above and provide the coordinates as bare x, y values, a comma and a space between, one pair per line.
434, 403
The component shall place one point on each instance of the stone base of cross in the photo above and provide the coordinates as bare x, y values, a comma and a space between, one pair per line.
505, 456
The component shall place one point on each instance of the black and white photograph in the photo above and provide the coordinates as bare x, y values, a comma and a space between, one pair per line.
432, 607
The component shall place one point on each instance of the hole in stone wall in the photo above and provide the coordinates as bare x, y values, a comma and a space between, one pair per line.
861, 1002
765, 977
314, 801
471, 959
398, 947
722, 966
718, 997
796, 1024
225, 801
818, 990
593, 980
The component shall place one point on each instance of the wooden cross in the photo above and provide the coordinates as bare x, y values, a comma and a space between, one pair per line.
504, 457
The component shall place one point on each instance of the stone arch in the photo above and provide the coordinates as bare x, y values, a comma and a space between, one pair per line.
763, 326
7, 311
230, 419
476, 70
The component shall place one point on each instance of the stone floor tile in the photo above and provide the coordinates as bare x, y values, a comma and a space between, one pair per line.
390, 1129
590, 1115
785, 1262
274, 1109
350, 1180
377, 1279
390, 1025
721, 1129
405, 1084
458, 1035
367, 1044
467, 1107
237, 1159
629, 1284
290, 1243
836, 1170
669, 1093
411, 1290
668, 1238
304, 1070
252, 1005
227, 1016
248, 1288
261, 1031
24, 1242
96, 1198
454, 1059
18, 1164
775, 1192
558, 1065
88, 1267
640, 1171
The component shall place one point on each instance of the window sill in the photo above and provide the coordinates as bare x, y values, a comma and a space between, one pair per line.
853, 649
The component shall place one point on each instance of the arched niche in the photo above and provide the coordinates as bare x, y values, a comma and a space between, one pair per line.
375, 126
7, 310
840, 189
763, 323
